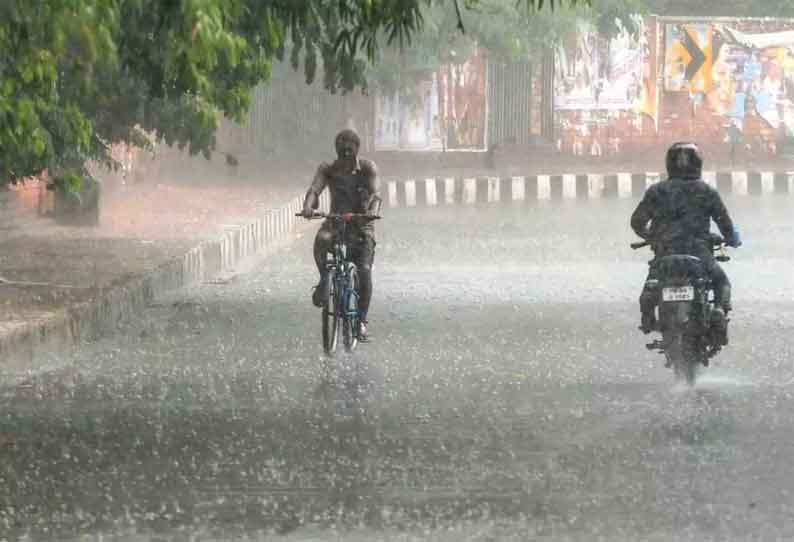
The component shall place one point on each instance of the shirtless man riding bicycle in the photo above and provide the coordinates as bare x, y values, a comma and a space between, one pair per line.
354, 188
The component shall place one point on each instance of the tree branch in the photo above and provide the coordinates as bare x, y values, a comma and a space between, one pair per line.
460, 18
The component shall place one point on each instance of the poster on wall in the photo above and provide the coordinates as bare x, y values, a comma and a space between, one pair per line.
593, 72
387, 120
731, 72
447, 110
463, 104
408, 121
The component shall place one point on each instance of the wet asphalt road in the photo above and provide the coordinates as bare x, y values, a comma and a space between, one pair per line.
507, 396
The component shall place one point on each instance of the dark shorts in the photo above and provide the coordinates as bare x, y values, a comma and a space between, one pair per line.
360, 245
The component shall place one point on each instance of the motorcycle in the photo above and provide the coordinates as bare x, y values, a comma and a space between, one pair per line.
693, 329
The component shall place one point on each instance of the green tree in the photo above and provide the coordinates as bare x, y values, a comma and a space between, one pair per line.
725, 8
79, 75
52, 52
509, 31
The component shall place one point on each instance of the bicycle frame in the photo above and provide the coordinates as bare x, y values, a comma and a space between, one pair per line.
342, 284
338, 269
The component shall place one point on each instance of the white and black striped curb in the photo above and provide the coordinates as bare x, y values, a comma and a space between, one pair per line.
38, 343
455, 191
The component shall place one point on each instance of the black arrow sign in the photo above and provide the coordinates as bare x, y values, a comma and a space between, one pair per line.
698, 58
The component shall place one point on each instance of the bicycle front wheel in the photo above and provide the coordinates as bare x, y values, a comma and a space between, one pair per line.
330, 316
349, 310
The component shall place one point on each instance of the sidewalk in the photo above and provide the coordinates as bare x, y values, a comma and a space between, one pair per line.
47, 269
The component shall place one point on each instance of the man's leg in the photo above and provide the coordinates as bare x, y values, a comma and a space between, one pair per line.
363, 256
722, 288
648, 301
722, 302
323, 243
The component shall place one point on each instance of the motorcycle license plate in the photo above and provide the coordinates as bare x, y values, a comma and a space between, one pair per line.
678, 293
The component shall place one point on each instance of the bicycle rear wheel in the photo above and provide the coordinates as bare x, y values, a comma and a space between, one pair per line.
330, 316
350, 311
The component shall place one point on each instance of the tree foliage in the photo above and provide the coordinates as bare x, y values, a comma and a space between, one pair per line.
720, 8
509, 31
79, 75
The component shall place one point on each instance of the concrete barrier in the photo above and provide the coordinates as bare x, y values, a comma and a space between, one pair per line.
471, 190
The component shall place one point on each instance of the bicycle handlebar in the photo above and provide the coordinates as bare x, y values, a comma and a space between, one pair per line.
343, 216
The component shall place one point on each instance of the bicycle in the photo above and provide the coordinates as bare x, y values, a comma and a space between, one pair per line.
340, 301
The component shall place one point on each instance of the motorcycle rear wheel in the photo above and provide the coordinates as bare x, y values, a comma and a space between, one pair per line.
683, 354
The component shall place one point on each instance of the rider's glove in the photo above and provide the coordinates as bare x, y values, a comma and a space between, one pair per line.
307, 212
735, 241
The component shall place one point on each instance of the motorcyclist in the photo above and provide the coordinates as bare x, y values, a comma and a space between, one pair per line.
675, 216
354, 188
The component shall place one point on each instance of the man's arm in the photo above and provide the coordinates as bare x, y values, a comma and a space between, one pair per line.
312, 199
643, 214
375, 202
721, 217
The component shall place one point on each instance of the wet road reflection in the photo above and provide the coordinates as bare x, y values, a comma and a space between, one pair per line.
507, 396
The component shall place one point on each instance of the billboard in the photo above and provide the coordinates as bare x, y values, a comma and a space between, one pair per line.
408, 120
597, 73
732, 73
463, 103
445, 110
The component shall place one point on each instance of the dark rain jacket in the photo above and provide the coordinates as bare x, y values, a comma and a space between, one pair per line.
676, 216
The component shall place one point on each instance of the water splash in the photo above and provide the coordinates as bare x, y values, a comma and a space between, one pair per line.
724, 381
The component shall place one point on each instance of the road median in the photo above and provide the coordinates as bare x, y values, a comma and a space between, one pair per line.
468, 190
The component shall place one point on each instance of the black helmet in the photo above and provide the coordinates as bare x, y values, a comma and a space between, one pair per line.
684, 161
